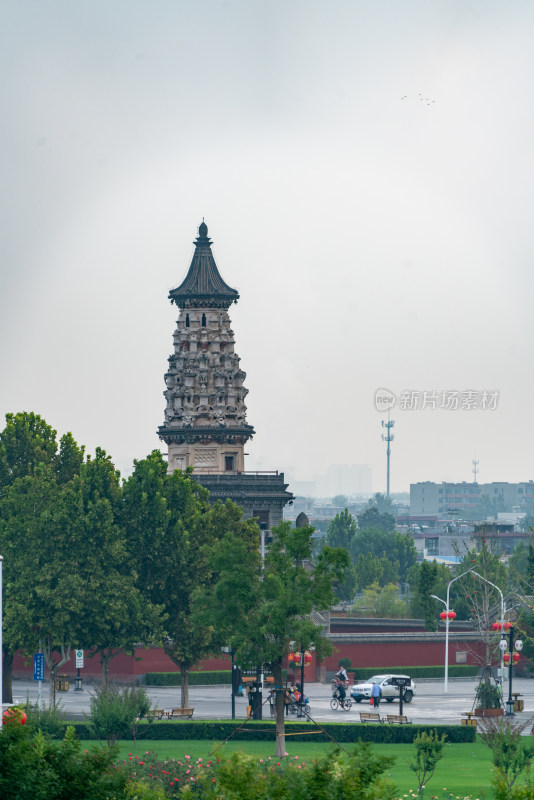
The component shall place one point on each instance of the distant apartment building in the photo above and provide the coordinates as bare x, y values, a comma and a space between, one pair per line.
429, 498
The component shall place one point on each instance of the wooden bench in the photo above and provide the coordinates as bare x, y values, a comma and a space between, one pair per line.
366, 716
397, 719
155, 713
180, 712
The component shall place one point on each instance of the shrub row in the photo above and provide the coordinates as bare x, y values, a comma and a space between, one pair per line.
206, 678
195, 678
264, 730
455, 671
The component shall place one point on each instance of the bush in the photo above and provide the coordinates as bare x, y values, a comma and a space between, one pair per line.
51, 721
115, 714
455, 671
264, 730
336, 776
345, 662
511, 755
33, 767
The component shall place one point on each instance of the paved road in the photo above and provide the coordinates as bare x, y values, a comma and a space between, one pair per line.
430, 704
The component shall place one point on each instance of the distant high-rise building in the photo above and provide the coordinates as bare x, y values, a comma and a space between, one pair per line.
429, 498
205, 423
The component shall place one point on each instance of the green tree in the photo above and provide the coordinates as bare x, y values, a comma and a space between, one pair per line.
381, 602
396, 547
340, 500
171, 530
428, 751
511, 754
341, 530
26, 442
423, 605
275, 602
115, 712
382, 503
373, 518
115, 615
42, 597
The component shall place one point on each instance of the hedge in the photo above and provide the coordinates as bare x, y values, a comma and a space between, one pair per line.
195, 678
206, 678
265, 730
455, 671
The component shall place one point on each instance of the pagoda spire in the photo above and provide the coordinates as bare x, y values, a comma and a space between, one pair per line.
203, 285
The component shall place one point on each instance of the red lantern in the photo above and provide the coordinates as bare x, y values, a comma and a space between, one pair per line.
298, 659
515, 656
443, 615
506, 658
307, 657
291, 656
496, 626
452, 615
14, 715
507, 625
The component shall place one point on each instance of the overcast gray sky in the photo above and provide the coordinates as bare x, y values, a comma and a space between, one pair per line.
365, 170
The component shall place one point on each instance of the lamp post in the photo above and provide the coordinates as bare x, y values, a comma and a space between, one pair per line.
301, 658
503, 610
447, 622
510, 658
230, 651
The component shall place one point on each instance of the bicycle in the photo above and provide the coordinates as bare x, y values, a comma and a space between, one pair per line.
345, 704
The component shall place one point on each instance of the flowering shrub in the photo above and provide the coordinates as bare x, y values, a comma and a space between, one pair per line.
337, 776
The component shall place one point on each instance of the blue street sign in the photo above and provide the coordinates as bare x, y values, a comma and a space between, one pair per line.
38, 667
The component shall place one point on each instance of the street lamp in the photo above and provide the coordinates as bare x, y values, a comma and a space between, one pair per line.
502, 625
300, 658
447, 622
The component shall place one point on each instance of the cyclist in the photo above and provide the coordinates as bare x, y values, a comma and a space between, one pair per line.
342, 678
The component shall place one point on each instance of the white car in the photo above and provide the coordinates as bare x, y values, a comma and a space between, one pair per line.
362, 691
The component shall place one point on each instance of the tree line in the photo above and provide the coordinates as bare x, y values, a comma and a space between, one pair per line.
105, 565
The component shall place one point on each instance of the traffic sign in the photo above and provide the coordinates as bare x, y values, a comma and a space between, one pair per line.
79, 659
38, 666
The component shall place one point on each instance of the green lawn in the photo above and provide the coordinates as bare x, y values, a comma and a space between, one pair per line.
463, 772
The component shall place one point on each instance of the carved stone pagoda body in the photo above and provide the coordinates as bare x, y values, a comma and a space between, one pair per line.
205, 417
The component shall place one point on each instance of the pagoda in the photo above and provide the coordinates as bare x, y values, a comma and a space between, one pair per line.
205, 423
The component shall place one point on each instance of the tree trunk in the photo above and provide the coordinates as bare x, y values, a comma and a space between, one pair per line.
52, 696
279, 711
184, 686
7, 675
105, 658
53, 666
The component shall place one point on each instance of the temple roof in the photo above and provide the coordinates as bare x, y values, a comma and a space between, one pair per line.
203, 284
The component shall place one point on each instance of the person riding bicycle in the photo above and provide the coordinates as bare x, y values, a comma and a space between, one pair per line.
342, 678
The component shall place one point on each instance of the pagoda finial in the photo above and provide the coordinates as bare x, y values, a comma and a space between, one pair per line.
202, 230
